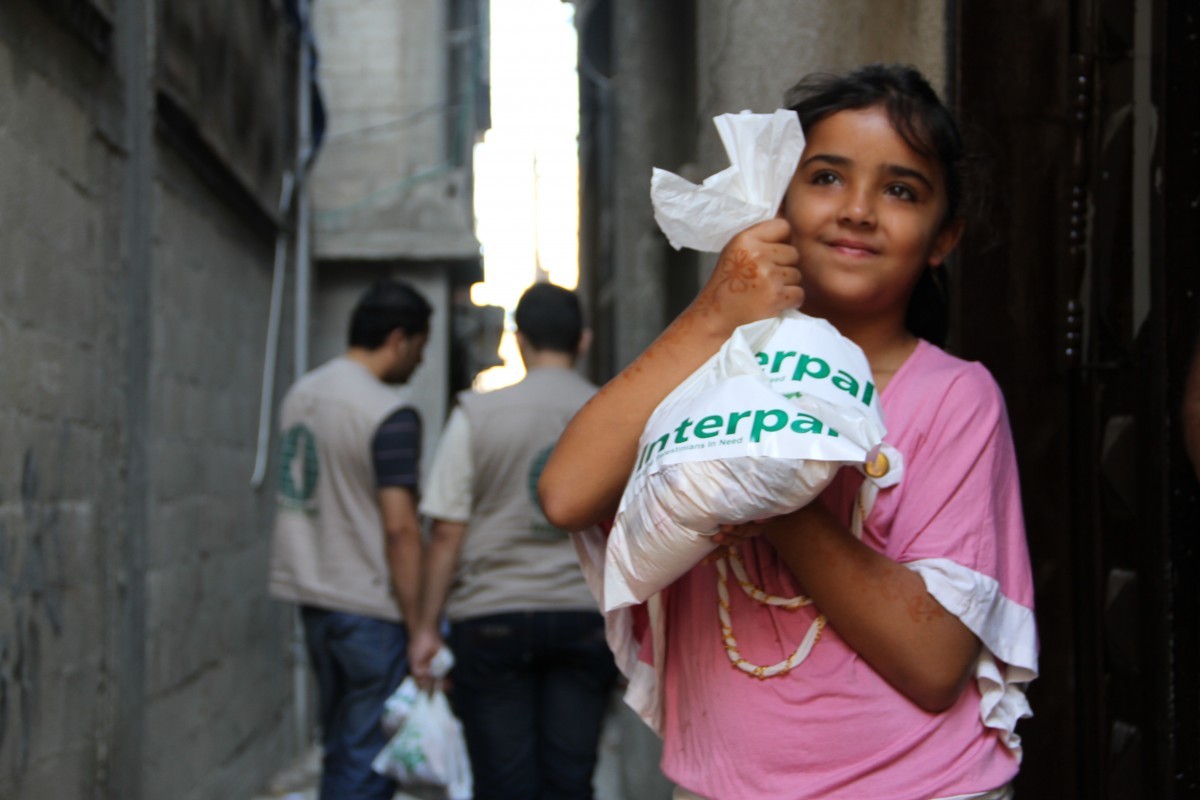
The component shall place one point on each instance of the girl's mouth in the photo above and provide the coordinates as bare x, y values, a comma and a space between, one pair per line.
852, 247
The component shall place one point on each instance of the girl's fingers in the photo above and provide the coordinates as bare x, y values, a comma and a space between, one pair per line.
756, 277
791, 276
783, 254
776, 229
733, 534
793, 297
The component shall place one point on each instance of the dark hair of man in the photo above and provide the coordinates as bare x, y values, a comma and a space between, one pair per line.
550, 318
926, 125
387, 305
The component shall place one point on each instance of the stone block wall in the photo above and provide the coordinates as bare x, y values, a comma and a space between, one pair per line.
60, 408
139, 654
394, 177
217, 683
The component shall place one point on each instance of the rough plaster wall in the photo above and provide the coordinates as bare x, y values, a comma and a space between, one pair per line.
652, 119
60, 401
217, 701
384, 186
216, 677
750, 53
229, 62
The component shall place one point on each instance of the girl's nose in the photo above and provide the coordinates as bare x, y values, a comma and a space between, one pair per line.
858, 210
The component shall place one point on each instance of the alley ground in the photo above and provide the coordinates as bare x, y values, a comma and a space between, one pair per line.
619, 774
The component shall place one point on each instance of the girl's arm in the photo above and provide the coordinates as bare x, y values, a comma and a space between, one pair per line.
755, 278
880, 607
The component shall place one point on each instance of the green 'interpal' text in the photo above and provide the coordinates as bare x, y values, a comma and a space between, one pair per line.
754, 424
818, 369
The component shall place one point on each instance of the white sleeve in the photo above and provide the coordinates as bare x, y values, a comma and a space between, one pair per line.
1008, 660
446, 495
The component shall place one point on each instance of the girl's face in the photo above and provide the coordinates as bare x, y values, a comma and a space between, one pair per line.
867, 215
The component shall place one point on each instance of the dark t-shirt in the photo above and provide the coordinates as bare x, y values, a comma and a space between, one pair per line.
396, 450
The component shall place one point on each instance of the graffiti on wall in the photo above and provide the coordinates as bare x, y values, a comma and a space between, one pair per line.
31, 585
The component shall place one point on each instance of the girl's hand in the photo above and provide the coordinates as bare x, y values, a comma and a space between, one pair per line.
756, 277
734, 534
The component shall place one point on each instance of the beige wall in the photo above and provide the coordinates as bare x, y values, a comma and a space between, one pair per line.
386, 184
747, 60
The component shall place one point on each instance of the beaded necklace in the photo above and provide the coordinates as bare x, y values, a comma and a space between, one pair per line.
731, 559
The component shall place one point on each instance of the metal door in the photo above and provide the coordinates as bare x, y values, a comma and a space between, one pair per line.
1082, 299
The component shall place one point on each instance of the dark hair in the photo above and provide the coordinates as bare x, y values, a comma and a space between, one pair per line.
389, 304
925, 125
550, 318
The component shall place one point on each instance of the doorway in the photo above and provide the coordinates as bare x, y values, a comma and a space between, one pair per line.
1083, 287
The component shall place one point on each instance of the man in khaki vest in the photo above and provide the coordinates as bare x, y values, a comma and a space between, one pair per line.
347, 542
532, 670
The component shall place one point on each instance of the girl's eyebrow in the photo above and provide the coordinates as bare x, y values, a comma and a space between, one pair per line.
908, 172
837, 161
896, 170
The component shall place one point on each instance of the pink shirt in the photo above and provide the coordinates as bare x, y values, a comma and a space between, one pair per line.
833, 728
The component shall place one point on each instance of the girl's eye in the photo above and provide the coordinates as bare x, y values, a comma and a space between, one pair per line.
901, 191
823, 178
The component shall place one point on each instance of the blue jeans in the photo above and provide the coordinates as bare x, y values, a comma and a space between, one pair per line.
530, 689
358, 662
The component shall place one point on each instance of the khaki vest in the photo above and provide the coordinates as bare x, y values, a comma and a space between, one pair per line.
328, 544
513, 559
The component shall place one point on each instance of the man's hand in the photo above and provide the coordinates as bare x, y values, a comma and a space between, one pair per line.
756, 277
423, 646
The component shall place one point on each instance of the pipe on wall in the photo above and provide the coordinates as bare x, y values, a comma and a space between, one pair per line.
271, 357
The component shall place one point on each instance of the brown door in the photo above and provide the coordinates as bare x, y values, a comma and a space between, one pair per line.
1081, 287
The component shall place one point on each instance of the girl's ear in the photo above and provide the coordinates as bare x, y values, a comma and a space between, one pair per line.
946, 241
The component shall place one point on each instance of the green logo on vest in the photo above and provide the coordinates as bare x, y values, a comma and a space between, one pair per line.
540, 527
298, 470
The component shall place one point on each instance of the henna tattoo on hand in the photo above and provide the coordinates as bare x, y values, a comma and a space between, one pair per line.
740, 272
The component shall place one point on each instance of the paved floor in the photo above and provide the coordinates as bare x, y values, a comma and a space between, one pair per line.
627, 768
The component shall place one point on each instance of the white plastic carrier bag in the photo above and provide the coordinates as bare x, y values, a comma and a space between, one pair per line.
758, 431
427, 747
763, 151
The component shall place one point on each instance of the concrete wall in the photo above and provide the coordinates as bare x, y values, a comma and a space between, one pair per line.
393, 179
217, 685
60, 413
749, 54
139, 654
654, 98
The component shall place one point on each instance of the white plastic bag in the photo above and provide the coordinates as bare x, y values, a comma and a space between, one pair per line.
397, 707
763, 151
758, 431
427, 747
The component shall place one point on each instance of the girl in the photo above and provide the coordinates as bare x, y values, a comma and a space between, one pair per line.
915, 683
